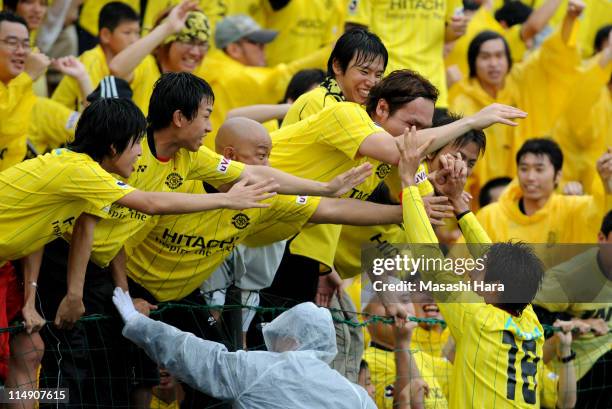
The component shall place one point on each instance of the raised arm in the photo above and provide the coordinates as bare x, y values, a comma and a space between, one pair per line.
74, 68
539, 19
127, 60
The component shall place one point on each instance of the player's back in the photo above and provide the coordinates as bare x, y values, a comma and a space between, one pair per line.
498, 357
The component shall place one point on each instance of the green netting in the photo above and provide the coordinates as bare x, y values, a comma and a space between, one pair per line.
103, 372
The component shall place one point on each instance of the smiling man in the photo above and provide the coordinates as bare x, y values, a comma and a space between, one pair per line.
530, 210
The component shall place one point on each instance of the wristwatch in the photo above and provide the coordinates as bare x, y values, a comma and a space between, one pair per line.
568, 358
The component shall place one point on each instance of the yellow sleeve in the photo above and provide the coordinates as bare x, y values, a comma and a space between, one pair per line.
548, 394
472, 230
93, 184
213, 168
285, 218
360, 12
351, 125
67, 93
52, 125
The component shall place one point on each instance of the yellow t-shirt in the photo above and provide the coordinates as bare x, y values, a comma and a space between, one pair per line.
498, 356
418, 45
435, 371
566, 288
152, 175
68, 93
320, 148
303, 27
16, 102
88, 17
180, 252
42, 197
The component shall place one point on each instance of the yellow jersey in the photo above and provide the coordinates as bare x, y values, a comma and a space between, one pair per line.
153, 175
180, 252
498, 359
419, 45
540, 84
580, 288
320, 148
42, 197
434, 370
88, 17
68, 92
303, 26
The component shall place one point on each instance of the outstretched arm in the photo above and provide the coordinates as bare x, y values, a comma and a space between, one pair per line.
355, 212
382, 146
206, 366
240, 196
294, 185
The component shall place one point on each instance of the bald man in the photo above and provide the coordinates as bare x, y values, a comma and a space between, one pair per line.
246, 141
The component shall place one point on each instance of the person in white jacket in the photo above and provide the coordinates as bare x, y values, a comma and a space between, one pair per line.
293, 373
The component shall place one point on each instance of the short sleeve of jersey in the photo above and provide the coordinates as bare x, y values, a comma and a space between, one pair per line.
285, 218
90, 182
346, 126
359, 12
213, 168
